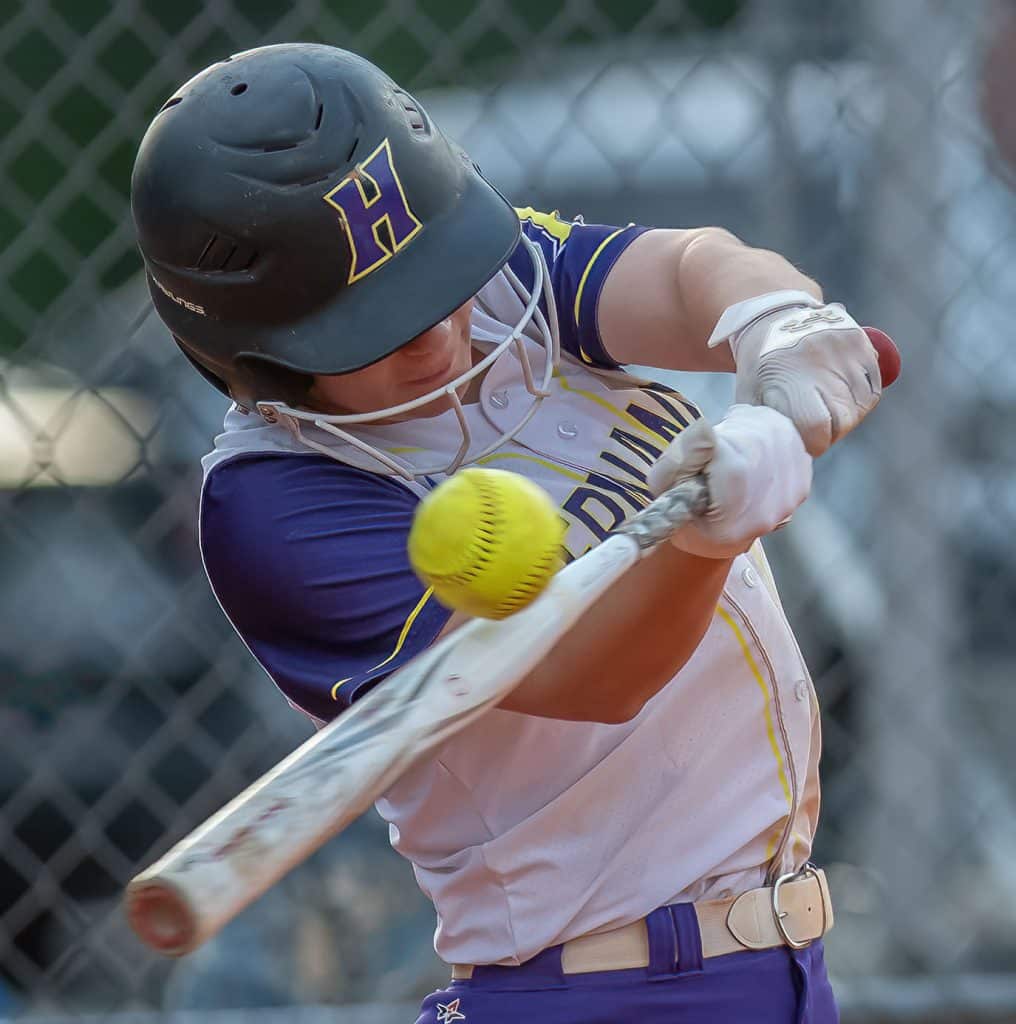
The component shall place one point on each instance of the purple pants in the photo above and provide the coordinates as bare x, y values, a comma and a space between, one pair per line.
772, 986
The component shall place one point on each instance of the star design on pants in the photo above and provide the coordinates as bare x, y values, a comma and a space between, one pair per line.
448, 1013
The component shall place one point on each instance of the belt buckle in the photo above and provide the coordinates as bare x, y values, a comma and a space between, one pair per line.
779, 915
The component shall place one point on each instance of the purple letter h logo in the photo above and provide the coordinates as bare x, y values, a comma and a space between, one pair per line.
377, 224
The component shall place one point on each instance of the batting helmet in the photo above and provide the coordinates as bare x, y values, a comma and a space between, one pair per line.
299, 213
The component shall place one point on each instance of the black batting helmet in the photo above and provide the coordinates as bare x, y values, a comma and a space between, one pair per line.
300, 214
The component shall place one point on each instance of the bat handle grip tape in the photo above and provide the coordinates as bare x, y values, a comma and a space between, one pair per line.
669, 512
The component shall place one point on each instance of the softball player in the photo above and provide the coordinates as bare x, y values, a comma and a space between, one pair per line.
627, 836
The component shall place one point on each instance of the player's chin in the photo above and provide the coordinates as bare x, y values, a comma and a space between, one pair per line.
434, 385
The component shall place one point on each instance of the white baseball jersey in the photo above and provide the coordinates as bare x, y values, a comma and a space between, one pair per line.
526, 831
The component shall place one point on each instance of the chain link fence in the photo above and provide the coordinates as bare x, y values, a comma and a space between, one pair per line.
867, 140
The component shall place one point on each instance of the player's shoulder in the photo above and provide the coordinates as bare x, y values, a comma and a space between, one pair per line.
547, 229
307, 558
260, 479
571, 245
262, 501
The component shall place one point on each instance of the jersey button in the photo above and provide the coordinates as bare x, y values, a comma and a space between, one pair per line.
749, 576
499, 399
567, 430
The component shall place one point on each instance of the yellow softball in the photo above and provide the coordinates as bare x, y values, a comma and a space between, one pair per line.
487, 541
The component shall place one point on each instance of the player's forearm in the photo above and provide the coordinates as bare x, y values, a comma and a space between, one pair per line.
663, 297
629, 644
717, 270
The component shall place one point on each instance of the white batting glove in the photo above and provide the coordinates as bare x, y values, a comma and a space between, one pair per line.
757, 471
811, 362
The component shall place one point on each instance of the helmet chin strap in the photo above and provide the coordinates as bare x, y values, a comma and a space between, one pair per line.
388, 465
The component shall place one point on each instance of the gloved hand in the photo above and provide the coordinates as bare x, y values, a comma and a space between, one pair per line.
814, 365
757, 471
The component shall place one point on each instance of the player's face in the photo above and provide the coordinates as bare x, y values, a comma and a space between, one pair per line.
432, 359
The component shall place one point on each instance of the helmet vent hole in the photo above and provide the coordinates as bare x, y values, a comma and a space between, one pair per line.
205, 251
278, 147
224, 254
170, 103
352, 150
415, 117
239, 88
320, 114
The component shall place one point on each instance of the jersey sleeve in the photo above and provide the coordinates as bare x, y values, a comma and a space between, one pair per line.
307, 558
579, 257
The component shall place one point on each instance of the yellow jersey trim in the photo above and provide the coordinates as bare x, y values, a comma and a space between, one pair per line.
589, 266
398, 644
770, 728
532, 458
550, 222
624, 417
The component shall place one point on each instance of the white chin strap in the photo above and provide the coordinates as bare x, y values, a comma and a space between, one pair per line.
387, 465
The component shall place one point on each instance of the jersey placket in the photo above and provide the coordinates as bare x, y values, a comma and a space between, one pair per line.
775, 868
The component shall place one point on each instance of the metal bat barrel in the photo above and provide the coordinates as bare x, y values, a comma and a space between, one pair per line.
205, 881
209, 877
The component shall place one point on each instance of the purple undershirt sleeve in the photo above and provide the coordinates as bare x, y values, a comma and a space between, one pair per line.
307, 558
579, 257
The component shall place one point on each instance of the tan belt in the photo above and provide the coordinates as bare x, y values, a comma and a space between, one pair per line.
793, 912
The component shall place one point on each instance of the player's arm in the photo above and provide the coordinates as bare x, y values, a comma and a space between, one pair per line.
308, 559
703, 300
629, 644
663, 297
639, 634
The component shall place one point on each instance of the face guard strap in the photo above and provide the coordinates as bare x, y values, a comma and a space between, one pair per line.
547, 327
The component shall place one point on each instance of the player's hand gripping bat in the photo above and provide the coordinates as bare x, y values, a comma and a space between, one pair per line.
325, 784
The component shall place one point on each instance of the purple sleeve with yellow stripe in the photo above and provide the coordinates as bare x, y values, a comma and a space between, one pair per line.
308, 559
579, 256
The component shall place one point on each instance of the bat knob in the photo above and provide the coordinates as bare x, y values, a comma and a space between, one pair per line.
161, 918
888, 355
